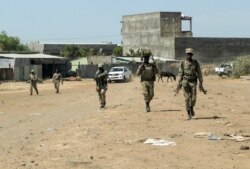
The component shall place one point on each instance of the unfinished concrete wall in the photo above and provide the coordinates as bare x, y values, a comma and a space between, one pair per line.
140, 31
170, 24
155, 31
213, 50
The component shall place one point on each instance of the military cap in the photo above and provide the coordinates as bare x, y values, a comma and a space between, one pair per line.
100, 65
189, 50
146, 52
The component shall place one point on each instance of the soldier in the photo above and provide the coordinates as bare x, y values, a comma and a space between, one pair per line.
33, 81
57, 78
147, 72
189, 72
101, 78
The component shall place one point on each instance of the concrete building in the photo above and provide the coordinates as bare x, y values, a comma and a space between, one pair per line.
156, 31
17, 66
167, 34
57, 48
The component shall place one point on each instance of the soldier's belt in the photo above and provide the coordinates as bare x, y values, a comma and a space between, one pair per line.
190, 78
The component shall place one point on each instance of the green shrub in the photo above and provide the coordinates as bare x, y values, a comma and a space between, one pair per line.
241, 66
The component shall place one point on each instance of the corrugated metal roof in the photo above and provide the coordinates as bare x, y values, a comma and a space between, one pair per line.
38, 55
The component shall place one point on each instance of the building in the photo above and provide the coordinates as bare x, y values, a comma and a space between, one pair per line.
167, 34
57, 48
17, 66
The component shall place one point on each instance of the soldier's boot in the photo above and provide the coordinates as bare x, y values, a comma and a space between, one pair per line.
30, 93
192, 111
189, 114
102, 104
147, 107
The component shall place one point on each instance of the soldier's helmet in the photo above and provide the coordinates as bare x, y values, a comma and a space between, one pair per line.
32, 71
146, 52
100, 65
189, 50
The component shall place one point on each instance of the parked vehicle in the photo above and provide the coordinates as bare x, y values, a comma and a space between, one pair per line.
121, 73
224, 69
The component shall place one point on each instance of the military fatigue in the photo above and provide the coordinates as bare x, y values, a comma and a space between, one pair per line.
189, 73
57, 77
147, 72
101, 86
33, 83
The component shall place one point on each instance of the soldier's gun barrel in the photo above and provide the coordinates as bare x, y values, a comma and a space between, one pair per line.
176, 91
202, 89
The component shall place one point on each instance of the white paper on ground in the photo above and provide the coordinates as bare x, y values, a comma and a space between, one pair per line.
160, 142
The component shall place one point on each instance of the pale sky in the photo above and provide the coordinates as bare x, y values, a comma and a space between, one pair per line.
92, 21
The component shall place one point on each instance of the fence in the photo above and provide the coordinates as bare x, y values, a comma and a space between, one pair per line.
88, 71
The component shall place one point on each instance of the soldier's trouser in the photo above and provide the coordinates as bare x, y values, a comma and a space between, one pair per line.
148, 90
102, 95
190, 94
33, 85
56, 85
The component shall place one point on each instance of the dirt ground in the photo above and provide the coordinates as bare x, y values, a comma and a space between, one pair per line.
68, 130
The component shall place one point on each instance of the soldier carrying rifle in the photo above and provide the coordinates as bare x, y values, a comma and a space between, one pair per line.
147, 71
189, 73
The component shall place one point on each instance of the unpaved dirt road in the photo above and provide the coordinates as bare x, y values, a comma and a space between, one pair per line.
68, 130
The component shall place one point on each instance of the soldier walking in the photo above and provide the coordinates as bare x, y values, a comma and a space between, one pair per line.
147, 71
189, 73
101, 78
57, 78
33, 82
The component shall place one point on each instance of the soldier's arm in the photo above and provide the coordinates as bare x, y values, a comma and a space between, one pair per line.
156, 69
139, 70
101, 75
181, 72
199, 73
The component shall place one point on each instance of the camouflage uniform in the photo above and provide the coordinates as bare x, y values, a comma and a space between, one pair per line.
147, 72
189, 72
33, 82
101, 77
57, 78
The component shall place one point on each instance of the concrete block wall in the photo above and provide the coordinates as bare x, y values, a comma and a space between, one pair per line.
213, 50
155, 31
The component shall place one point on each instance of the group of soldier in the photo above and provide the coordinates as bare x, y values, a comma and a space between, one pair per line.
188, 77
33, 79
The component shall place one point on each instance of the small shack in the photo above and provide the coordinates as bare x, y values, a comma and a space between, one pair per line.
18, 66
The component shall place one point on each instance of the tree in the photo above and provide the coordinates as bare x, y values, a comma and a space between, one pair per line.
117, 51
132, 53
72, 51
10, 43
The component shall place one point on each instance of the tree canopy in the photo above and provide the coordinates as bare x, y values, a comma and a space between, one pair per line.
117, 51
11, 43
74, 52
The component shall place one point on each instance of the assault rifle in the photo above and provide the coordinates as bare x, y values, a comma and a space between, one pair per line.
201, 88
176, 91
